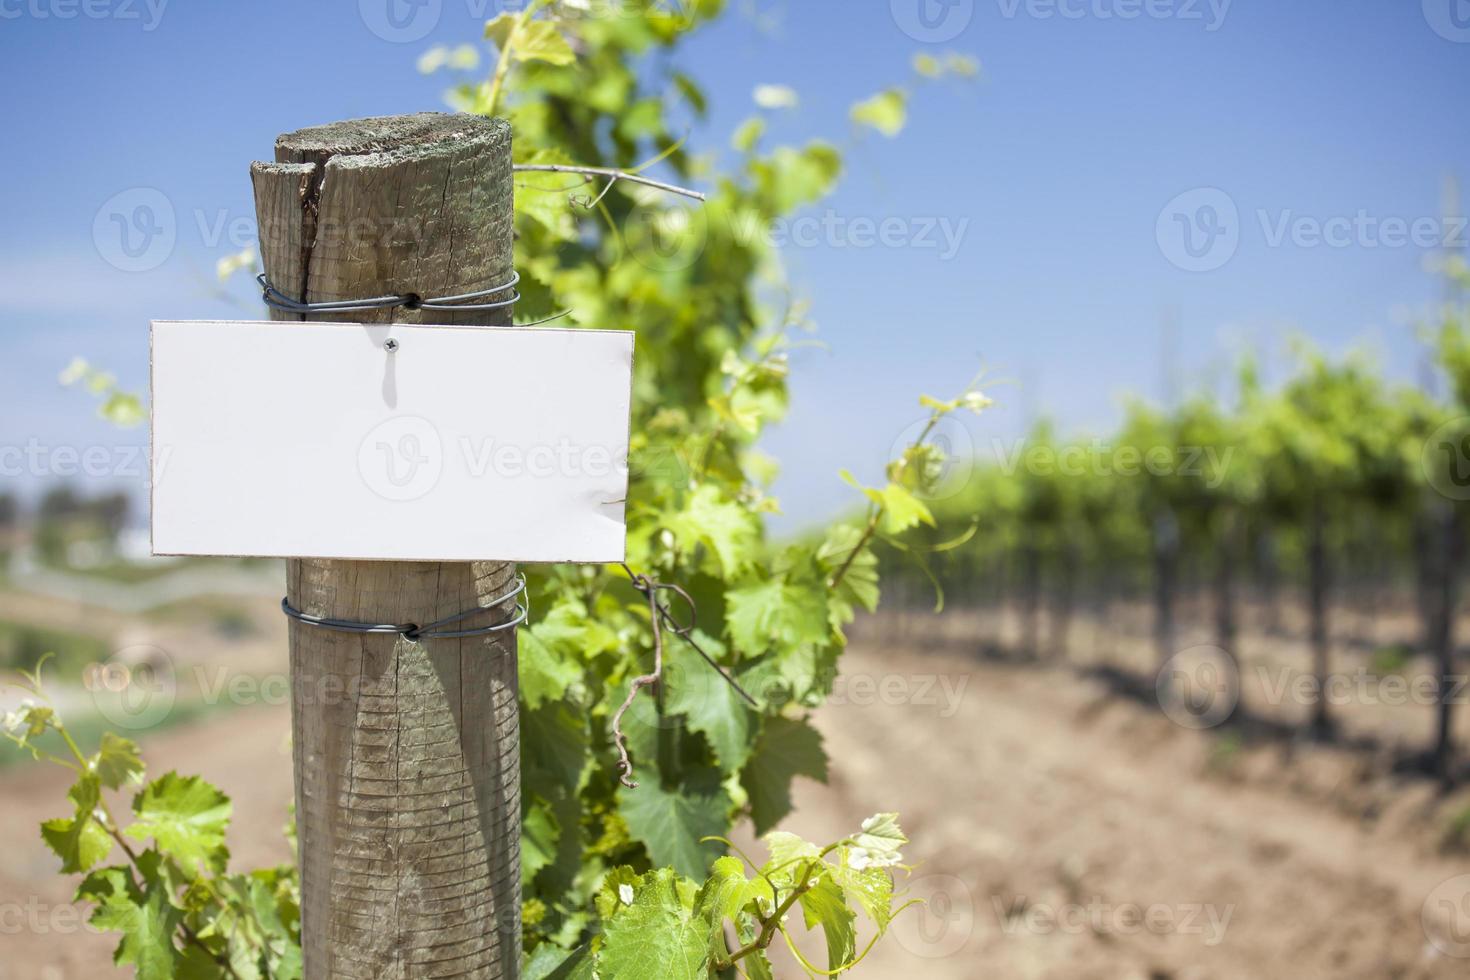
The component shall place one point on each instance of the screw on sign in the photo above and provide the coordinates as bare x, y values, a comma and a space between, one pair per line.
359, 469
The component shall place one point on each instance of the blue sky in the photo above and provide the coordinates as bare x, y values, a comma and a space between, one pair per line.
1295, 143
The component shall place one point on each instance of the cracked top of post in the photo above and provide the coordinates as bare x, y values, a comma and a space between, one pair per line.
420, 134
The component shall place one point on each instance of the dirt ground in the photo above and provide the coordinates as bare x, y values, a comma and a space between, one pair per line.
1059, 831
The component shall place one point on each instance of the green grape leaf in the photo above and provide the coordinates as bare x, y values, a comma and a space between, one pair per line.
726, 896
878, 843
655, 937
786, 749
776, 612
117, 761
145, 916
197, 964
825, 905
123, 410
537, 40
712, 706
692, 93
887, 112
545, 672
748, 134
551, 962
928, 65
555, 753
728, 529
545, 198
80, 841
539, 835
902, 510
187, 818
872, 888
36, 718
787, 852
843, 548
790, 178
670, 823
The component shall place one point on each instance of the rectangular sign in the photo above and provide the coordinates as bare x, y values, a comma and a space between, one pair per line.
390, 441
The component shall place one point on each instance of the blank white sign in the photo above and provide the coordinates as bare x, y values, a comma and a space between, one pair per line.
316, 440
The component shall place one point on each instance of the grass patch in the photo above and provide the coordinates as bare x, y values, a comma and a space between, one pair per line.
1225, 755
1392, 659
1456, 836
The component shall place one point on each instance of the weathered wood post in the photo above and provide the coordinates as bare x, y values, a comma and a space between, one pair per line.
406, 753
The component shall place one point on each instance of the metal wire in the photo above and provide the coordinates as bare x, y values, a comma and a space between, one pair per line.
433, 631
276, 299
685, 632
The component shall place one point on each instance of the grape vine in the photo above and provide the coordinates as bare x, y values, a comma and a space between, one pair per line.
620, 880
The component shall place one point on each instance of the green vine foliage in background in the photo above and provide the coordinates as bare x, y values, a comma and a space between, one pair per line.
628, 881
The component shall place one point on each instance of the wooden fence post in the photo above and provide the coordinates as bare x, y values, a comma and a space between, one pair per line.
406, 754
